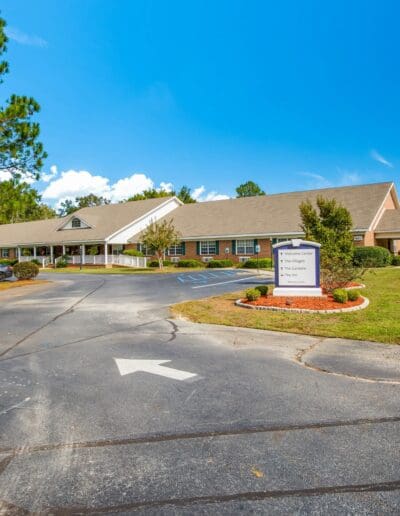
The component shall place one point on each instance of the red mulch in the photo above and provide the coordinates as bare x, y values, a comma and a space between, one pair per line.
348, 285
310, 303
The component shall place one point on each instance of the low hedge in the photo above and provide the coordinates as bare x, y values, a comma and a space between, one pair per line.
263, 289
219, 264
252, 294
190, 263
396, 260
353, 295
8, 261
132, 252
154, 263
340, 295
25, 270
262, 263
371, 257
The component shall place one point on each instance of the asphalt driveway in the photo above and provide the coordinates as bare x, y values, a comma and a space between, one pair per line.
109, 406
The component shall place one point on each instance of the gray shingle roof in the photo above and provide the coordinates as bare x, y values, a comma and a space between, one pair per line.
104, 221
276, 214
390, 222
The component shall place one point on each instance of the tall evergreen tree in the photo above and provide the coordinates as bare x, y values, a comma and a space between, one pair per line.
21, 153
249, 189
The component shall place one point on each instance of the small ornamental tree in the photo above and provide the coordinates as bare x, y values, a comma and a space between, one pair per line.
330, 225
158, 237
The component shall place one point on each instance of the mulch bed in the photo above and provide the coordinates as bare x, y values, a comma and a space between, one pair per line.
351, 284
310, 303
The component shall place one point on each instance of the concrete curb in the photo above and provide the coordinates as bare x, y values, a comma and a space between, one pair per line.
363, 305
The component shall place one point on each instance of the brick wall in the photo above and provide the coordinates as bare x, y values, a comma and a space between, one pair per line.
191, 250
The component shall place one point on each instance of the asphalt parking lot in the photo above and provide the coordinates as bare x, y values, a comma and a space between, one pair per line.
109, 406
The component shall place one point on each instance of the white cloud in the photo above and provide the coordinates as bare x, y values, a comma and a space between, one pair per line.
73, 183
128, 186
76, 183
198, 195
167, 187
316, 180
380, 159
25, 39
46, 178
5, 175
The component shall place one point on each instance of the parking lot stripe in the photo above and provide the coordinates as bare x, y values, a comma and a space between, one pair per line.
225, 282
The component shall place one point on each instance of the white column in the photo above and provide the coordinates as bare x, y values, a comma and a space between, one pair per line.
51, 254
63, 251
34, 252
19, 253
83, 254
105, 254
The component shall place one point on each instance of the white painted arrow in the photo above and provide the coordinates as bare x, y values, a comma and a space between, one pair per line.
128, 366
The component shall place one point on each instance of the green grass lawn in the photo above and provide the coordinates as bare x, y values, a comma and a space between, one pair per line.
379, 322
119, 270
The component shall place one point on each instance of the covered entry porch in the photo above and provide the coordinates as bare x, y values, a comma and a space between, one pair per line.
99, 253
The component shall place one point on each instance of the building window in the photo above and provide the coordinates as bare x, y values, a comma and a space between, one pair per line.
208, 247
5, 253
176, 250
145, 250
245, 247
76, 223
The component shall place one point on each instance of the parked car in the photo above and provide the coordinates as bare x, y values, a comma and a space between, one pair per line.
5, 272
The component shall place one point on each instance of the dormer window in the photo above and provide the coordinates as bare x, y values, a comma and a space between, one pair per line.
76, 223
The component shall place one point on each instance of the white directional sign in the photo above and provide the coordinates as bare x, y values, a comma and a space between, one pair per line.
128, 366
296, 267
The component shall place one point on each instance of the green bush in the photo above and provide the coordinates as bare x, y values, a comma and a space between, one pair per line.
340, 295
262, 263
219, 264
252, 294
61, 264
190, 263
371, 257
26, 270
353, 295
8, 261
37, 262
154, 263
396, 260
132, 252
263, 289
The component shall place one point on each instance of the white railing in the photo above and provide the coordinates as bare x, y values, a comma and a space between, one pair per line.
98, 259
129, 261
44, 260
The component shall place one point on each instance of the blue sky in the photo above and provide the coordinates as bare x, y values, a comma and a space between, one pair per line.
292, 95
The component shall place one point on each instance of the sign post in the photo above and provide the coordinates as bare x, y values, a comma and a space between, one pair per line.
297, 268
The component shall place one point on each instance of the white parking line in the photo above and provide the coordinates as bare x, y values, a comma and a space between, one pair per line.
225, 282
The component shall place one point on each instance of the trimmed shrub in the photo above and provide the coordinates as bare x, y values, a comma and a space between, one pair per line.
7, 261
219, 264
36, 261
371, 257
262, 263
61, 264
396, 260
190, 263
263, 289
154, 263
132, 252
25, 270
353, 295
340, 295
252, 294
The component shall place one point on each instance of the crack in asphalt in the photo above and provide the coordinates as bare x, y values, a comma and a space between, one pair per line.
299, 358
248, 496
58, 316
226, 432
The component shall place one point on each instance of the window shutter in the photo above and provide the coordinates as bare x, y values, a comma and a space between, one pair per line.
233, 246
198, 248
139, 247
255, 243
217, 247
183, 248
